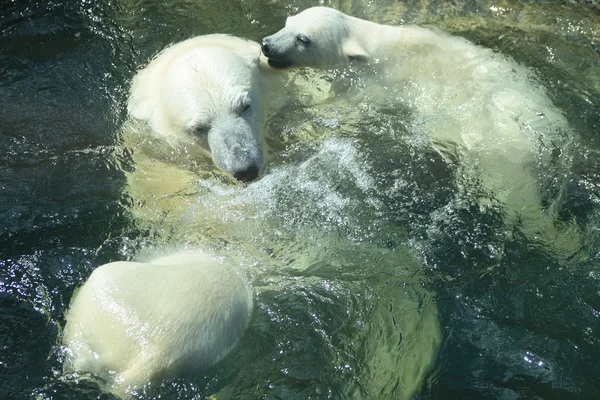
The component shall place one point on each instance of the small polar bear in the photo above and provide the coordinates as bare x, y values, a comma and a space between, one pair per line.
133, 323
479, 109
206, 90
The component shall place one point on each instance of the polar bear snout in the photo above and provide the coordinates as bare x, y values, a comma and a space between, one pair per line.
277, 57
236, 148
265, 46
247, 175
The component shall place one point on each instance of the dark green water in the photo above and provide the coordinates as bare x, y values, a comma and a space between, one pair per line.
352, 232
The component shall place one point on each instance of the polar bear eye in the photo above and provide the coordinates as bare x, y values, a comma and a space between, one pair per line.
245, 106
200, 130
303, 39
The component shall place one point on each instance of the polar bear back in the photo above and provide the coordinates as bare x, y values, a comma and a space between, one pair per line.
132, 323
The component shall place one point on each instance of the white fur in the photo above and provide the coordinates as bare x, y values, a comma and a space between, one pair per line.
205, 90
477, 107
133, 323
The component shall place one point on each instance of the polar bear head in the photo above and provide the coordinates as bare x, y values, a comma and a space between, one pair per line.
206, 89
318, 37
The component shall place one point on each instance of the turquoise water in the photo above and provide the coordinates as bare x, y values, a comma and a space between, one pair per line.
355, 240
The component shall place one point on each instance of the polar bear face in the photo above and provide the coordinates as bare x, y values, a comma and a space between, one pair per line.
318, 37
211, 94
206, 91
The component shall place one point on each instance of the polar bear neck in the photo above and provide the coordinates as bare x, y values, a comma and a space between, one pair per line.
374, 39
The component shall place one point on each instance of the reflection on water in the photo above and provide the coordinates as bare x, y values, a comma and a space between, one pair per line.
358, 241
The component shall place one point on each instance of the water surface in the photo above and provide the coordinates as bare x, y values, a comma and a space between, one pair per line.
358, 241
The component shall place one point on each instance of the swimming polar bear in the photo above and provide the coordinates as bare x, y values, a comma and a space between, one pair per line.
480, 110
198, 98
133, 323
206, 90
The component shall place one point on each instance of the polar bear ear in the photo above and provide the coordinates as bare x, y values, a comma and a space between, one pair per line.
355, 52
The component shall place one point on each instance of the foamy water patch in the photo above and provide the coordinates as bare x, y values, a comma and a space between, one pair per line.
327, 191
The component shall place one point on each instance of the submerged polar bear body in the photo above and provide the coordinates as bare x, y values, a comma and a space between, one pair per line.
133, 323
441, 75
476, 107
206, 90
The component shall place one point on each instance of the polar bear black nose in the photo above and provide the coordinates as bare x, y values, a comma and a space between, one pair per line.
265, 47
246, 175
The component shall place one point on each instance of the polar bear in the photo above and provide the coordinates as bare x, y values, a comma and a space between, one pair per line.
200, 98
206, 90
480, 110
133, 323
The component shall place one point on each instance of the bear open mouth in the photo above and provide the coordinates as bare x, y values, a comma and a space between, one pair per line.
279, 64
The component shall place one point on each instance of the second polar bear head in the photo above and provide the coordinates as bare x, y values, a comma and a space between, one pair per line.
206, 89
319, 37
